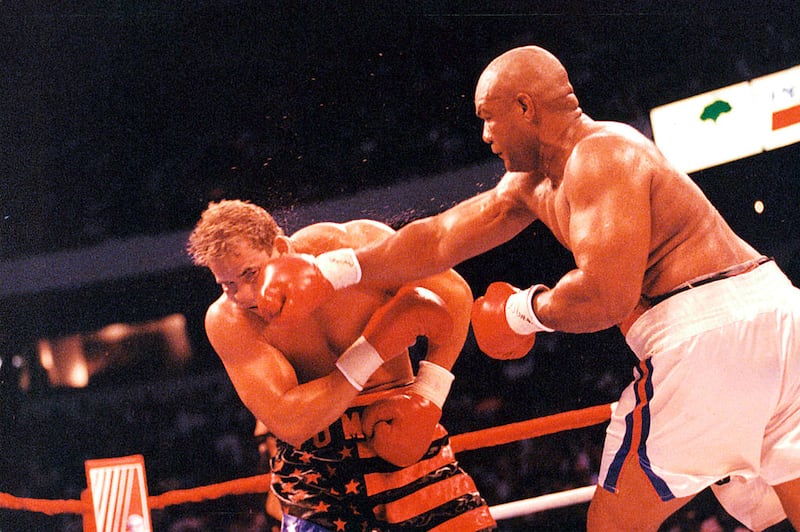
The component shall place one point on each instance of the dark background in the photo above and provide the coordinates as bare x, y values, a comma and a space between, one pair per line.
122, 119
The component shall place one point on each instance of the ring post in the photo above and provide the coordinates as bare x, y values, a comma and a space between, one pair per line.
118, 490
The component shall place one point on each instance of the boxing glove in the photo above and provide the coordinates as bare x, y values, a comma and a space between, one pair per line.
294, 285
393, 328
503, 321
400, 428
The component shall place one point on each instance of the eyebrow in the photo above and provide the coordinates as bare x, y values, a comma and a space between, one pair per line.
480, 107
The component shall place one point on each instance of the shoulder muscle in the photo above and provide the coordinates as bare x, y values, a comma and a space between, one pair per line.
325, 236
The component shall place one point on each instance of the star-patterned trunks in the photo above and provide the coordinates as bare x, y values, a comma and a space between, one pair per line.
336, 482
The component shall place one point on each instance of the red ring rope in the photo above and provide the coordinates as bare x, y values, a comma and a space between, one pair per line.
531, 428
468, 441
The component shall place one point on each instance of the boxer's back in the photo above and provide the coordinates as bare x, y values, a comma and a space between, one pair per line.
689, 237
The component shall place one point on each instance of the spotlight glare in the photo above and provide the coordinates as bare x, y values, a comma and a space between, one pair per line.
758, 206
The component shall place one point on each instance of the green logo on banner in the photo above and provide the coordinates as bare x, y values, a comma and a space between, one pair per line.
714, 110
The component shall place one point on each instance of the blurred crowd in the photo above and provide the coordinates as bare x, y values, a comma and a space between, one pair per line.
193, 431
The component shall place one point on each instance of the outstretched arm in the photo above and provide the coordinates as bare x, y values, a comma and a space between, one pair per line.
431, 245
293, 286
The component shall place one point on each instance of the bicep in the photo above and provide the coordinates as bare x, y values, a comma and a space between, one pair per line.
609, 229
457, 297
259, 372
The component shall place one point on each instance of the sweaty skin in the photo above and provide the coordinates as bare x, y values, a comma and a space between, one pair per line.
634, 224
284, 370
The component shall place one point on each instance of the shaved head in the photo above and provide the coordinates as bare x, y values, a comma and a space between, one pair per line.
531, 70
527, 105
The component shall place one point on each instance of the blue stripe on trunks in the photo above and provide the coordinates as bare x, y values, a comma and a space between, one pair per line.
643, 390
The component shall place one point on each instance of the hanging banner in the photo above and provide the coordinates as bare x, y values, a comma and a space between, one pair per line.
778, 99
730, 123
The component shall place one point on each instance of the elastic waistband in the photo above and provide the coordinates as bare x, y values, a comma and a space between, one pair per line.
739, 269
692, 312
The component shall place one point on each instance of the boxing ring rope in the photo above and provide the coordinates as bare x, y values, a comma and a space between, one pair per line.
468, 441
532, 428
551, 501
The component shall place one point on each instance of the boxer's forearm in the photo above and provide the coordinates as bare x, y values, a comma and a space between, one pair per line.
303, 411
432, 245
408, 255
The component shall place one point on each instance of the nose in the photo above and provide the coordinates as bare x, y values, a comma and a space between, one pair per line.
486, 134
244, 295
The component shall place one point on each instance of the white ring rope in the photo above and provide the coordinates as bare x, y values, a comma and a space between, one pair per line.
550, 501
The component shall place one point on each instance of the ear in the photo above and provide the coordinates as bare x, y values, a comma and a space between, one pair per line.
283, 245
525, 103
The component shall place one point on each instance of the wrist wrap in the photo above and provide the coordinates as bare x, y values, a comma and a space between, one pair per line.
519, 312
359, 362
340, 267
433, 383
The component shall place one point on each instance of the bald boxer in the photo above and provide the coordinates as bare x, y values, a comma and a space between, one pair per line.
715, 399
359, 443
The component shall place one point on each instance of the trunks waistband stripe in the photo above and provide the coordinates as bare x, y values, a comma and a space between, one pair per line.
725, 274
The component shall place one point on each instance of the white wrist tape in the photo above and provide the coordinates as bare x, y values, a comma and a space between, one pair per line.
359, 362
519, 312
433, 383
340, 267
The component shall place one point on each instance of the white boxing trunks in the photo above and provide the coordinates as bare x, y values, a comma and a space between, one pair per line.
716, 394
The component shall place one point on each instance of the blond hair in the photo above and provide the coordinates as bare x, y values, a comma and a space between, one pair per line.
228, 223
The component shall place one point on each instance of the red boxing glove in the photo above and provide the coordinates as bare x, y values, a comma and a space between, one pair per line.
490, 321
295, 285
412, 312
393, 328
400, 428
